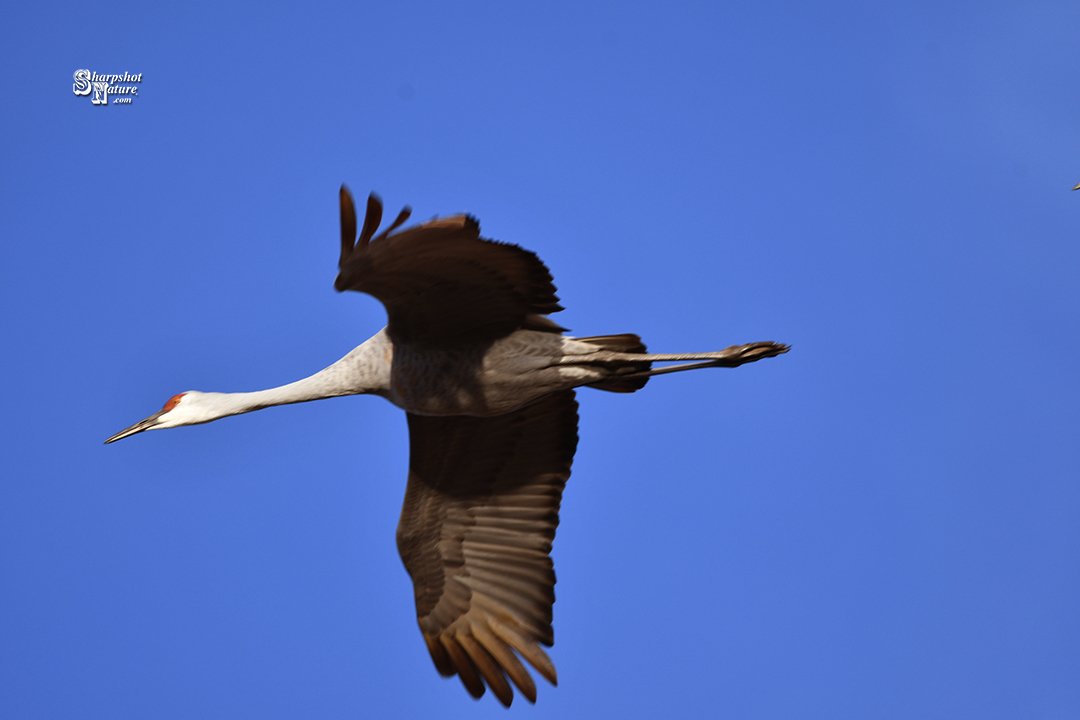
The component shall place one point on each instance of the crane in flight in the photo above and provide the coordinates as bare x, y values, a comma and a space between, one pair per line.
487, 382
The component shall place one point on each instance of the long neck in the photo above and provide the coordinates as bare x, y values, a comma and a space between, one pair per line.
364, 370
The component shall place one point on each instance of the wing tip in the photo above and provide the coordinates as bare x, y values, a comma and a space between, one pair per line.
482, 654
348, 224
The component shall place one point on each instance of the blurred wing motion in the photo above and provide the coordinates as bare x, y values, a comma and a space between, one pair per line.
440, 281
480, 512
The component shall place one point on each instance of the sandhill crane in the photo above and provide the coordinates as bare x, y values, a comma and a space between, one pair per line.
487, 382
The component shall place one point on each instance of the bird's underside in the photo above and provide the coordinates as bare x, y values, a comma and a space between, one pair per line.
486, 468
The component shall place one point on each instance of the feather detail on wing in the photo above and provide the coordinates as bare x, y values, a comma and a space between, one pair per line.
441, 283
480, 513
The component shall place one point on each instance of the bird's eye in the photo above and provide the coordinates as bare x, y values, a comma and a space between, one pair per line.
173, 402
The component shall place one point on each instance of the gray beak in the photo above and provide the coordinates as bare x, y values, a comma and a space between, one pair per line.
137, 427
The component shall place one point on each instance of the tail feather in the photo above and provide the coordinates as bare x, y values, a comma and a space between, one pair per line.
627, 343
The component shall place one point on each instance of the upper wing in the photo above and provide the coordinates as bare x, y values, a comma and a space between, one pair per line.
440, 281
480, 512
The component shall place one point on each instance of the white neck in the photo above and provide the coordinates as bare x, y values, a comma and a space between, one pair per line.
364, 370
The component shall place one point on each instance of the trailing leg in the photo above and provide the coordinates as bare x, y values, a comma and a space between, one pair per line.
635, 367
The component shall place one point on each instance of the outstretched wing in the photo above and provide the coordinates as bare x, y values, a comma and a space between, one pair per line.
480, 512
440, 281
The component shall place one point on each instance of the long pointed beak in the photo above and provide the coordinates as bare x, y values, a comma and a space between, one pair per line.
137, 427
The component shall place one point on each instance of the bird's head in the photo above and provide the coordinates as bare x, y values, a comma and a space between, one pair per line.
187, 408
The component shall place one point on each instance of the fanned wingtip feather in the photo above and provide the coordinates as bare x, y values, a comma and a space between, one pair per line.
526, 648
465, 668
488, 667
348, 224
398, 221
372, 219
506, 658
481, 654
438, 655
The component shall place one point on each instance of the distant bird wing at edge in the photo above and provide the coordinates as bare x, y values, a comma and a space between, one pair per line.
441, 282
480, 513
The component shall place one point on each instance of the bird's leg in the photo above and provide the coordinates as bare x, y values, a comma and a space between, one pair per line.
672, 368
733, 356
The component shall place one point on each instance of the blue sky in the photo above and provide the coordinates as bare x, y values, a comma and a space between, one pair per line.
880, 524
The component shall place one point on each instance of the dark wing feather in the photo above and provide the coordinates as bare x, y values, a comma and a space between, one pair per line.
441, 283
480, 513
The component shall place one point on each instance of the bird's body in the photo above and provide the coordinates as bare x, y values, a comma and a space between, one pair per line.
487, 382
493, 380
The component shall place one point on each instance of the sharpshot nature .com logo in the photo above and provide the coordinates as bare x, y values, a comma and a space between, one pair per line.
103, 86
